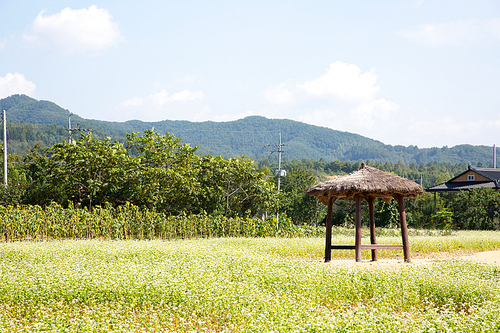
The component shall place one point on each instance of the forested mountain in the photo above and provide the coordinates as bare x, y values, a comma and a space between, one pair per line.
33, 121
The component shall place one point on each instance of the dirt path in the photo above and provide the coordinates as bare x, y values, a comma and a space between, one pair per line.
489, 257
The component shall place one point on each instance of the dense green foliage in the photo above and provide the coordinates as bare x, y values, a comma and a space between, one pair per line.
249, 136
233, 285
160, 173
154, 171
295, 203
23, 137
429, 173
472, 209
477, 209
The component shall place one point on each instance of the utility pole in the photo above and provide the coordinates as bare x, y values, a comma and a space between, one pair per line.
71, 130
279, 172
494, 157
5, 171
69, 127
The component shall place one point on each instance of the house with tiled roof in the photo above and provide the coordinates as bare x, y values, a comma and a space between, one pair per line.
469, 179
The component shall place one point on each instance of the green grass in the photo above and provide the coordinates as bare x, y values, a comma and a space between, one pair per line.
241, 285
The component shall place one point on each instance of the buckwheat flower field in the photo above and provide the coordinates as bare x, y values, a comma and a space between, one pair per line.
243, 285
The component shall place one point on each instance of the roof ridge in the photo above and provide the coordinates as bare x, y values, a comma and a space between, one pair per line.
482, 172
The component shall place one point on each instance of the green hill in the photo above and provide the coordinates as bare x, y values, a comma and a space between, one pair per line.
31, 120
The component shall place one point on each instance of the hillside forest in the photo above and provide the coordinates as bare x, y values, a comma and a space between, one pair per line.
31, 121
159, 173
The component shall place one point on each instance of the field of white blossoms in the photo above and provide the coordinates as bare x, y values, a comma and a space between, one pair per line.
244, 285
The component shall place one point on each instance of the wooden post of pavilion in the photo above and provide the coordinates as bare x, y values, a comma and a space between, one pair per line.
373, 237
328, 241
404, 228
357, 244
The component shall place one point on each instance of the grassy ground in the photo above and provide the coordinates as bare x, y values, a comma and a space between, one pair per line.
244, 284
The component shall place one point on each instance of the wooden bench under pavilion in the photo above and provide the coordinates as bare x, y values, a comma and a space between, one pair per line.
366, 183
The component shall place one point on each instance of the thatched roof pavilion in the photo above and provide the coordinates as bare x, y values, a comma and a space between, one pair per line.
366, 183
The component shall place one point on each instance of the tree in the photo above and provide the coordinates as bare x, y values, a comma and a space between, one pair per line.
165, 172
293, 199
386, 213
476, 209
35, 167
17, 182
89, 172
233, 187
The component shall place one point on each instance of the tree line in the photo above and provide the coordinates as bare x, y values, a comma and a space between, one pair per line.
155, 171
161, 174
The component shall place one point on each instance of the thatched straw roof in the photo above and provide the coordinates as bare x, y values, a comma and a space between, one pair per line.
366, 181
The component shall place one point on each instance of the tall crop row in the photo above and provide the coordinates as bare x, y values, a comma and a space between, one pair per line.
132, 222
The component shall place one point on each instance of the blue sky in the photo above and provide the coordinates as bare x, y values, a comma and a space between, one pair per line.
423, 73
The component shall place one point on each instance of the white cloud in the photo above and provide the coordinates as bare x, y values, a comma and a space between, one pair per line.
328, 118
188, 79
159, 98
343, 98
15, 83
387, 123
343, 81
280, 94
135, 101
450, 129
161, 105
368, 114
373, 119
455, 33
203, 114
72, 31
162, 97
186, 95
492, 27
231, 117
417, 4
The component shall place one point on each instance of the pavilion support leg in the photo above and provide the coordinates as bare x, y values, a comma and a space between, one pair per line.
404, 228
357, 243
373, 237
328, 242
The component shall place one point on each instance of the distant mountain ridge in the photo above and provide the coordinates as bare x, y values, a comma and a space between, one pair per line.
253, 136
